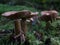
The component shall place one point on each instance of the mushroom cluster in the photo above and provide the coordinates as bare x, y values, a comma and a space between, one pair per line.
20, 21
20, 25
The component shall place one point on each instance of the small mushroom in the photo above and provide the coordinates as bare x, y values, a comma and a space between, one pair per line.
48, 16
45, 16
26, 16
15, 16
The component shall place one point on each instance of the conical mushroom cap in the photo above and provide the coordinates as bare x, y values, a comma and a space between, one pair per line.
19, 14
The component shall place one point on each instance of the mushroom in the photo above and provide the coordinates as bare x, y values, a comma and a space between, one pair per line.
48, 16
45, 16
54, 14
15, 16
26, 15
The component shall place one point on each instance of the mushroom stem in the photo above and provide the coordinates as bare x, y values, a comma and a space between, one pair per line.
17, 27
24, 25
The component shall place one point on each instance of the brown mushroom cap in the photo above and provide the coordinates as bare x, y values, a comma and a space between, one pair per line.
45, 16
19, 14
54, 12
49, 15
11, 14
45, 13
